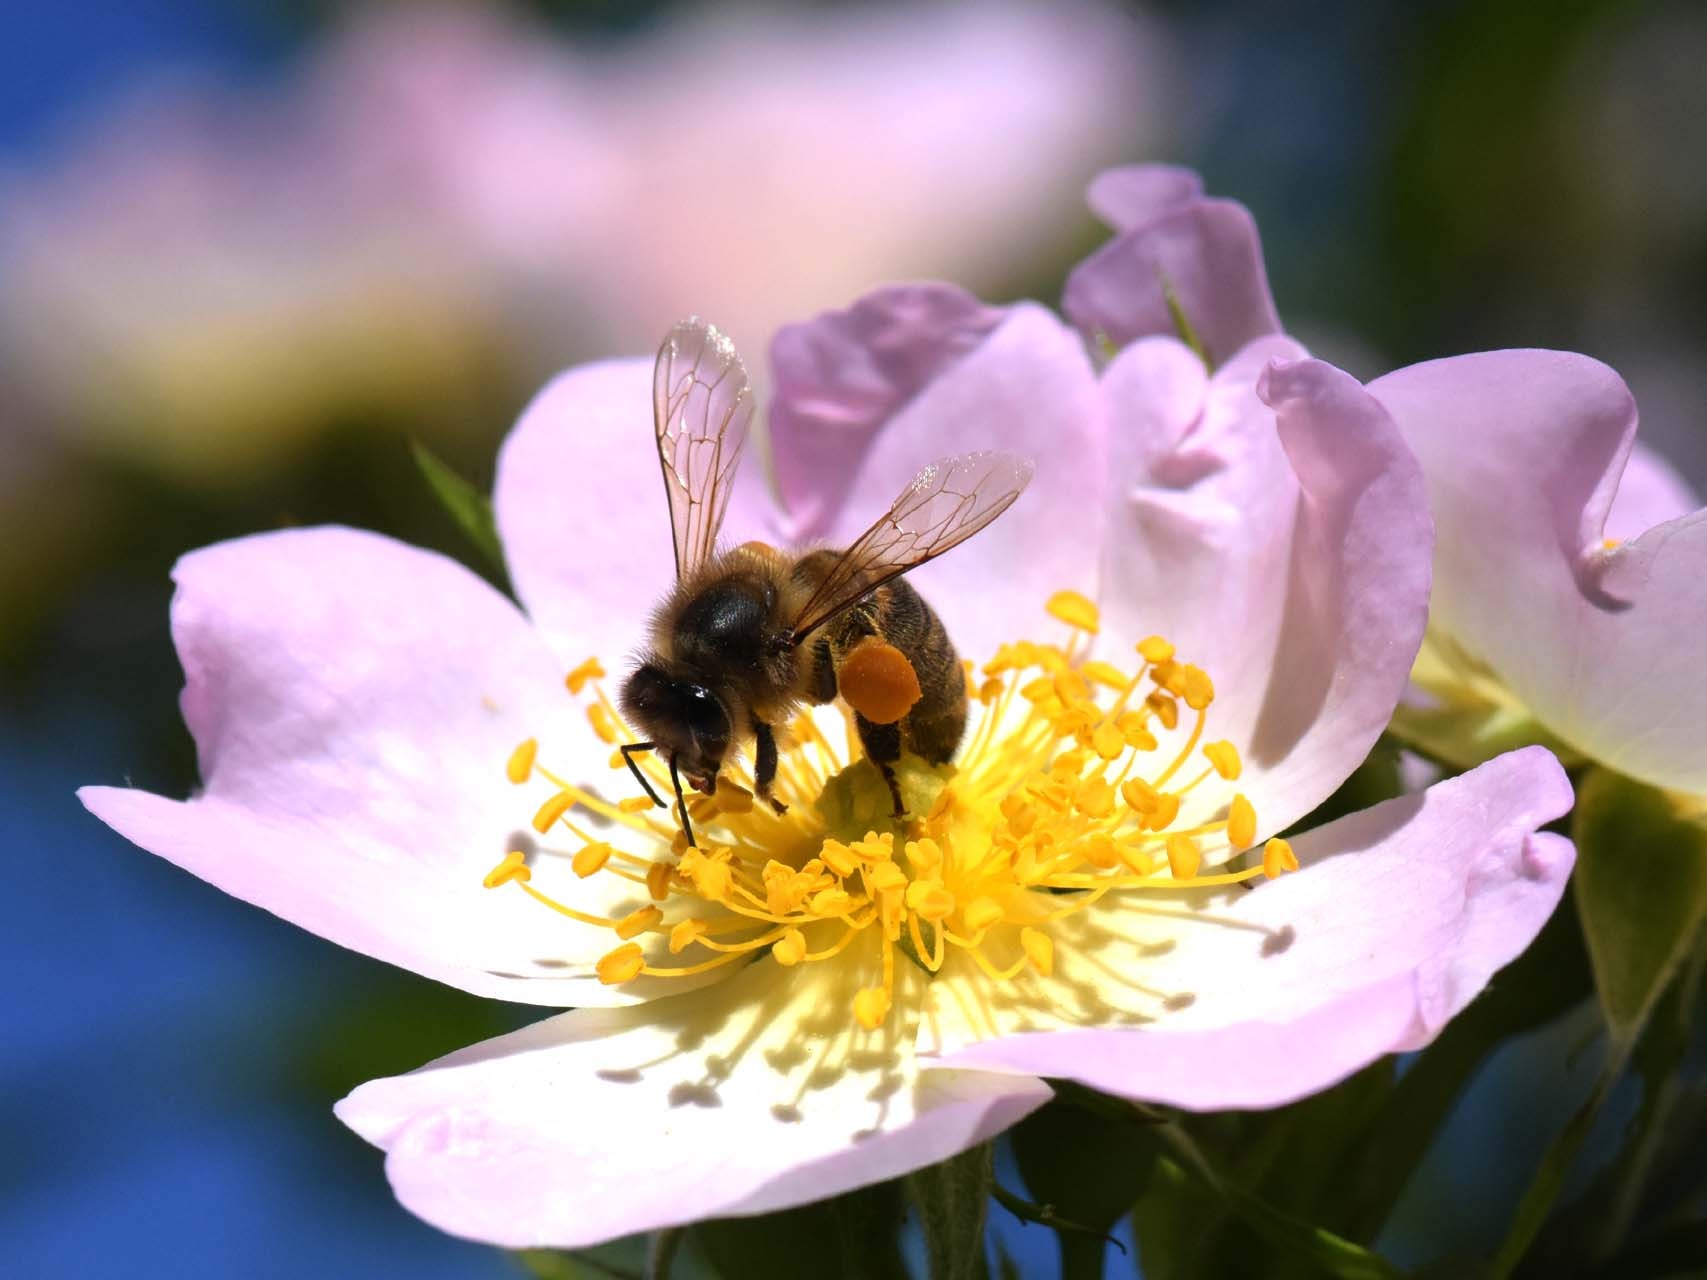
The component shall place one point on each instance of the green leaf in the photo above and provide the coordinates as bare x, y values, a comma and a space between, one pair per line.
952, 1199
852, 1237
1084, 1171
471, 509
1169, 1222
1641, 887
1329, 1254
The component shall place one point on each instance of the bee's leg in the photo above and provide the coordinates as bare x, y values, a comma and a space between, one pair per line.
681, 802
764, 765
628, 759
882, 743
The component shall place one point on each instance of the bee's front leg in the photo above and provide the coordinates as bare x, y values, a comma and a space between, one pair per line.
764, 765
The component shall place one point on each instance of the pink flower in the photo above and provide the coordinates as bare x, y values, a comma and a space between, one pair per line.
806, 1003
1570, 570
442, 194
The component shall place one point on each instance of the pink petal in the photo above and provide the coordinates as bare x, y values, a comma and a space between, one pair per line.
1206, 252
1523, 451
354, 701
1399, 918
750, 1097
840, 379
581, 509
1650, 492
1026, 387
1131, 196
1282, 546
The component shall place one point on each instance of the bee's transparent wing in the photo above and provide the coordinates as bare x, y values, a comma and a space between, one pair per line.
945, 504
701, 405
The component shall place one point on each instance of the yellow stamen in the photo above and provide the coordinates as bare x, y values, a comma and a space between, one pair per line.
588, 670
1155, 649
1039, 948
1075, 610
513, 867
519, 767
1184, 857
1224, 756
1053, 806
1241, 823
638, 922
790, 949
1278, 858
548, 813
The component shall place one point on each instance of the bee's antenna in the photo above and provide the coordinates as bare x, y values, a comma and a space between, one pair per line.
681, 804
628, 759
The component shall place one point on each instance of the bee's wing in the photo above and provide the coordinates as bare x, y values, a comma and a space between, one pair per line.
701, 406
945, 504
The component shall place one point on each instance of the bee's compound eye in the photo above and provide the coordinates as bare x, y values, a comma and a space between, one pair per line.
706, 720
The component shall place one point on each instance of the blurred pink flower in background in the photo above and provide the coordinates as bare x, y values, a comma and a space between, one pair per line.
443, 194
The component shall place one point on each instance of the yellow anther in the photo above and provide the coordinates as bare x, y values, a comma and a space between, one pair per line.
790, 949
712, 880
1199, 690
634, 804
1134, 731
871, 1007
1224, 756
1166, 674
617, 760
513, 867
548, 813
1167, 809
990, 690
588, 670
658, 881
1070, 687
683, 935
1019, 813
638, 922
1155, 649
885, 876
1184, 857
924, 855
1107, 741
1278, 858
831, 902
622, 964
981, 913
1241, 823
1104, 673
1075, 610
1037, 689
1140, 796
1100, 851
590, 859
839, 858
1136, 859
732, 797
1165, 708
519, 767
1095, 798
603, 724
1039, 948
875, 847
930, 900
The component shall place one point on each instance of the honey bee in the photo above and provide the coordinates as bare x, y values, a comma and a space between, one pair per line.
750, 632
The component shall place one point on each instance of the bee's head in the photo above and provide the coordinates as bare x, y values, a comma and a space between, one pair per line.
681, 717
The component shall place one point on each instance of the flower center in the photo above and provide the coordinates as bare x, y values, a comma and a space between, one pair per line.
1076, 780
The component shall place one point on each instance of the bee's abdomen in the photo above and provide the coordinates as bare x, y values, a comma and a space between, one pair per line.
935, 725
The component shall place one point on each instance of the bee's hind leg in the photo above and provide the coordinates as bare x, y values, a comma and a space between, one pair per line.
764, 765
882, 743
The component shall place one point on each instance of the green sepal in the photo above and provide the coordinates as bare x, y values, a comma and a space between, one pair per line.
466, 505
952, 1200
1641, 889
